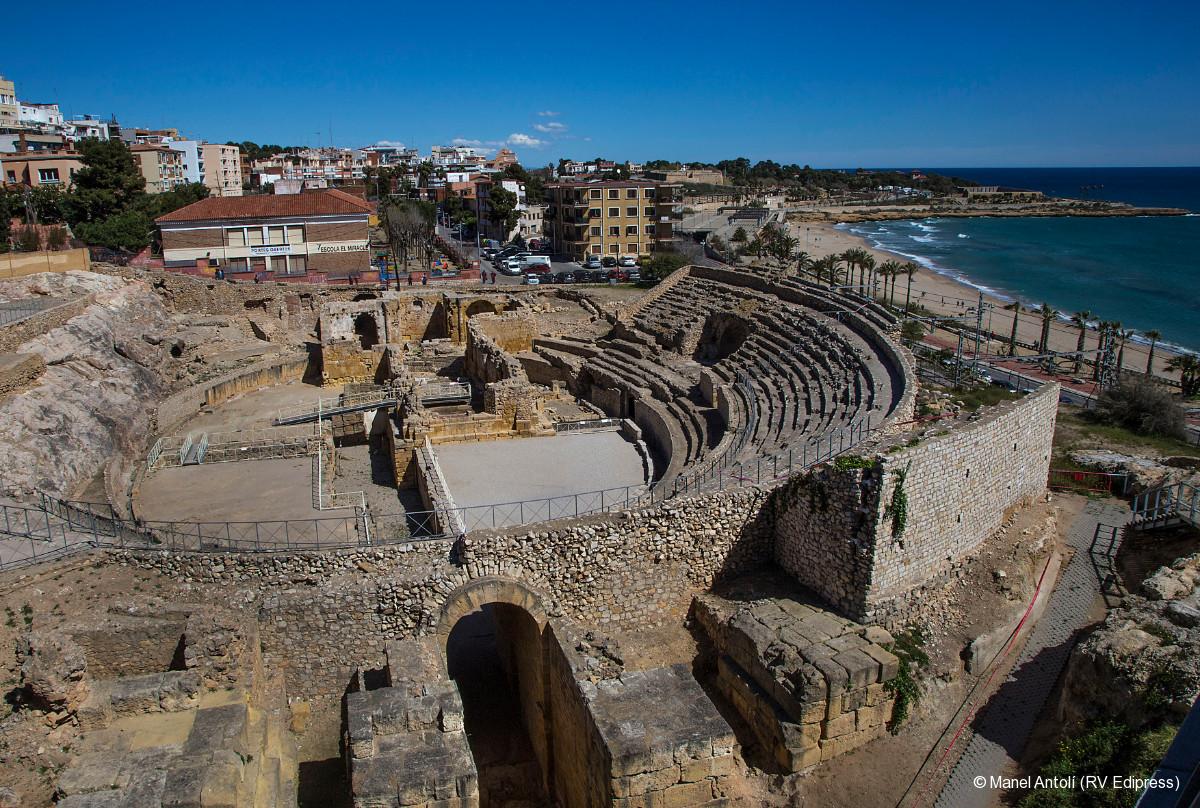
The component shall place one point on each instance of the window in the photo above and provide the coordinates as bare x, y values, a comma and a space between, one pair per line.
594, 213
650, 230
258, 264
648, 213
614, 193
631, 212
614, 248
631, 193
649, 193
276, 235
614, 213
235, 237
632, 248
295, 234
595, 193
614, 231
254, 236
299, 264
595, 249
48, 176
279, 264
12, 177
238, 265
631, 230
595, 231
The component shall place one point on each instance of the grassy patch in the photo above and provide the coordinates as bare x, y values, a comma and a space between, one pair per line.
1108, 749
1077, 432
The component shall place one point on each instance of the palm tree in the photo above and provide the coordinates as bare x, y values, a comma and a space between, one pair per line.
1048, 314
909, 269
1080, 319
1154, 337
804, 262
1015, 308
888, 270
1189, 373
868, 269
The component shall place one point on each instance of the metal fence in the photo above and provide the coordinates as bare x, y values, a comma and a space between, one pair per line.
1166, 504
587, 425
1100, 482
12, 311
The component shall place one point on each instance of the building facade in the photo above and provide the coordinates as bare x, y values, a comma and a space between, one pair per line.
42, 168
222, 169
161, 165
10, 110
43, 117
611, 217
317, 236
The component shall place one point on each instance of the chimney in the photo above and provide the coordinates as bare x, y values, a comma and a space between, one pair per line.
24, 146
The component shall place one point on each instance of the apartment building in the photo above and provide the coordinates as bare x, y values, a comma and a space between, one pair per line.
316, 236
161, 165
86, 127
43, 117
222, 169
44, 167
10, 110
611, 217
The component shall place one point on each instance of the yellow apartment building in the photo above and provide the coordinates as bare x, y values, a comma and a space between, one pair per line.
611, 217
161, 165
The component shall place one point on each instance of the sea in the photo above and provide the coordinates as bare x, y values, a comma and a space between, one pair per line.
1142, 271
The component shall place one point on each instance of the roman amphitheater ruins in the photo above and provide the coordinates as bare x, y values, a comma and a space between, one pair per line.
471, 546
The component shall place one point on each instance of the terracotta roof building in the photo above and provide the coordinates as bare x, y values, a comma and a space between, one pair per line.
318, 236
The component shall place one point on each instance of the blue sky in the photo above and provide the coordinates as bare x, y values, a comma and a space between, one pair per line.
831, 85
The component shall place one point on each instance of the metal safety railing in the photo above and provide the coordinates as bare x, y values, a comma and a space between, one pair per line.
1167, 504
587, 425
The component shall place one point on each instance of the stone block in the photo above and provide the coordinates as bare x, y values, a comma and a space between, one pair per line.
889, 664
221, 781
686, 795
843, 724
217, 728
871, 717
861, 669
184, 784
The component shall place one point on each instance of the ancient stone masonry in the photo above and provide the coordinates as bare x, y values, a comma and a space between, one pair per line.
812, 685
406, 744
861, 537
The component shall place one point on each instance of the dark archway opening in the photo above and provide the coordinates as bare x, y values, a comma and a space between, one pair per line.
722, 335
480, 307
366, 330
495, 656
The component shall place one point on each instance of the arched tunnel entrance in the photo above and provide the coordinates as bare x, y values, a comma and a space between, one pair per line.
366, 330
495, 656
721, 335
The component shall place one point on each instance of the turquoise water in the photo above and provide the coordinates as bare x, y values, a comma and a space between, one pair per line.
1141, 271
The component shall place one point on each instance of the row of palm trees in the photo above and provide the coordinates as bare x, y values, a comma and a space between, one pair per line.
1110, 334
857, 268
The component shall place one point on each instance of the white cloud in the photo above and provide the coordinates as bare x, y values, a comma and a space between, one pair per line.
522, 139
553, 127
390, 144
462, 141
548, 113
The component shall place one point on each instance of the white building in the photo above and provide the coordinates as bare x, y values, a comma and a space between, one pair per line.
85, 127
41, 116
193, 163
456, 155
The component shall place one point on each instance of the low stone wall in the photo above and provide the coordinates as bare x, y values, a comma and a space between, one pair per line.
345, 362
18, 371
292, 370
15, 335
322, 614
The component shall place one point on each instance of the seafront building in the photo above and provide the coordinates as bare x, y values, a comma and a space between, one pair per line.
611, 217
315, 236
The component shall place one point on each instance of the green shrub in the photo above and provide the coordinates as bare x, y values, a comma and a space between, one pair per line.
1146, 408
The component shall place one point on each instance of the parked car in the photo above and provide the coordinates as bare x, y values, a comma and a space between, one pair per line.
547, 277
581, 275
633, 275
599, 276
535, 260
627, 261
593, 262
608, 261
532, 280
510, 267
564, 277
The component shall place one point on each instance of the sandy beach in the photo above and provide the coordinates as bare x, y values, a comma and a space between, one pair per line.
945, 295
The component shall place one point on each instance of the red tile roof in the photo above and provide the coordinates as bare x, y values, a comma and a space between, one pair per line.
263, 206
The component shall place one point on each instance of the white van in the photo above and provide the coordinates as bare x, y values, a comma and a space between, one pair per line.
533, 260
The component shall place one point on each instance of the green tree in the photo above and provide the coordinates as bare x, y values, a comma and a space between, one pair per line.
1188, 367
1047, 313
108, 183
662, 263
502, 206
1154, 337
1080, 319
739, 235
1015, 308
130, 230
804, 263
909, 268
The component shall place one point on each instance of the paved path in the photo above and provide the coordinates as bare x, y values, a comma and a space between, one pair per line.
1001, 730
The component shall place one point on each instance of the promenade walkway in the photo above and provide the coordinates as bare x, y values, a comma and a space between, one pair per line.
1001, 730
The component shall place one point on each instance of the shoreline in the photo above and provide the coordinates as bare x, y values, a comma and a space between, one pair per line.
855, 214
945, 294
